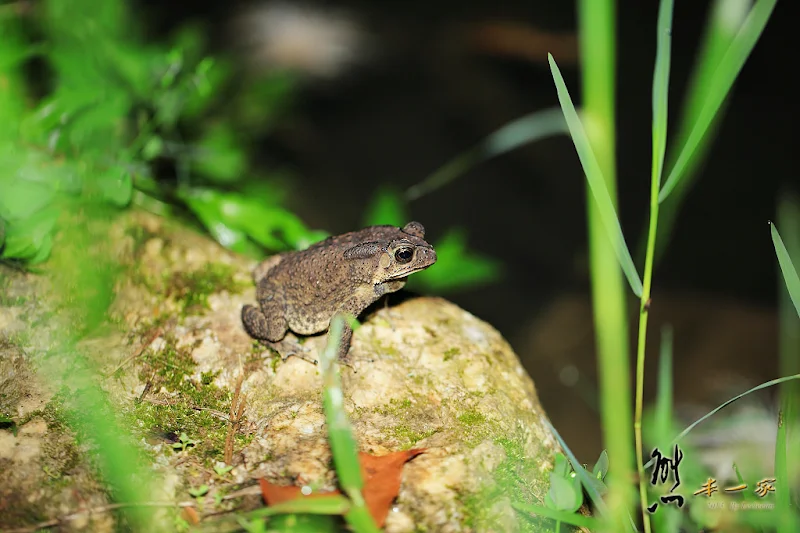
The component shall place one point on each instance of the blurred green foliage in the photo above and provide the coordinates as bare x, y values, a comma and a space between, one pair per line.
91, 111
456, 265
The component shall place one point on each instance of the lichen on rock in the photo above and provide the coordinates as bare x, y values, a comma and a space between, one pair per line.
423, 373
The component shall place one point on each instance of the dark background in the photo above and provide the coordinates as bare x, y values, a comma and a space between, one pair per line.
426, 94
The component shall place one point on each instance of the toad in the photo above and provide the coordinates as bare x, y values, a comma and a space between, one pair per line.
301, 291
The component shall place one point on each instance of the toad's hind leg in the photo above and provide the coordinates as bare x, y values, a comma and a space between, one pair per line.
261, 326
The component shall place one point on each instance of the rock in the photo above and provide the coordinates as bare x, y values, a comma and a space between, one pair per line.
423, 374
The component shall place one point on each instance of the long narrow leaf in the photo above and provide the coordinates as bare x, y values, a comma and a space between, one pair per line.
661, 87
726, 73
596, 182
574, 519
524, 130
332, 504
782, 479
788, 269
588, 486
344, 447
724, 405
663, 409
343, 444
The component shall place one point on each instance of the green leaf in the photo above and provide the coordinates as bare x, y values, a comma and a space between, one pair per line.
386, 207
600, 468
574, 519
563, 495
21, 198
661, 90
32, 238
787, 268
726, 73
662, 424
334, 504
234, 218
724, 405
202, 490
220, 155
524, 130
596, 181
8, 423
116, 185
456, 266
340, 434
561, 467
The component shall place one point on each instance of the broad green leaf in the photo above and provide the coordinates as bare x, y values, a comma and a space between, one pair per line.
456, 266
596, 181
788, 269
600, 468
22, 198
220, 155
722, 81
32, 238
231, 217
116, 185
524, 130
387, 207
563, 494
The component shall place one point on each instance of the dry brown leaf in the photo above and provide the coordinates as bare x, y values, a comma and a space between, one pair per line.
382, 476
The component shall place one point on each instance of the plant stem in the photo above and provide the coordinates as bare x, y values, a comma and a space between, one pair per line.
597, 29
644, 312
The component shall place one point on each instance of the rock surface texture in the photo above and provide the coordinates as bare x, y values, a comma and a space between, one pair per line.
423, 374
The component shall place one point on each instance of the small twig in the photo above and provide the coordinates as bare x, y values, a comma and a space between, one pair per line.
234, 419
157, 333
213, 412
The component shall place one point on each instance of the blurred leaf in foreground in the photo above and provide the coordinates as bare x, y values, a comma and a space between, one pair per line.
456, 266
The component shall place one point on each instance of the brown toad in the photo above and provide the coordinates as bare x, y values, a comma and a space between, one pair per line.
302, 291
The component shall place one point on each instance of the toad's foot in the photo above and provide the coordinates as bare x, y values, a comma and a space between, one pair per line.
288, 347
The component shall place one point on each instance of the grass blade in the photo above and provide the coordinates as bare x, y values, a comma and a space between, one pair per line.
789, 339
597, 499
661, 87
782, 480
789, 272
660, 98
574, 519
340, 434
596, 182
724, 405
662, 420
524, 130
726, 73
724, 21
332, 504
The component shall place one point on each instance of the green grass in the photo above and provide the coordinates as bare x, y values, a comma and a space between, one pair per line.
593, 136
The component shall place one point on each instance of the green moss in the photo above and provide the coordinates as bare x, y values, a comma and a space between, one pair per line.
411, 435
452, 352
471, 418
516, 478
194, 406
139, 235
192, 289
394, 407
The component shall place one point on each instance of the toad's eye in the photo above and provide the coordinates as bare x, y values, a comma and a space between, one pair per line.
404, 255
